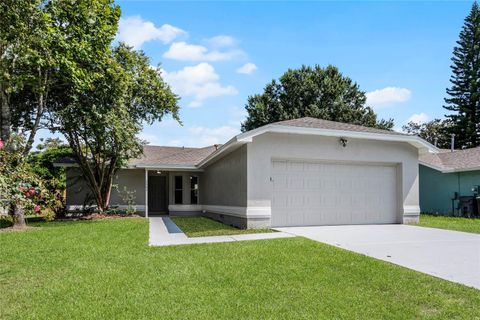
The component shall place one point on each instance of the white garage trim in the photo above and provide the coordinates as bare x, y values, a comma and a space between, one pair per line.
247, 137
241, 212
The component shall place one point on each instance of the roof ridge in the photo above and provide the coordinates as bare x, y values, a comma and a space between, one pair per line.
343, 125
173, 147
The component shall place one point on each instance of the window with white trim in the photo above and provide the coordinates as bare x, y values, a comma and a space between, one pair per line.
178, 192
193, 190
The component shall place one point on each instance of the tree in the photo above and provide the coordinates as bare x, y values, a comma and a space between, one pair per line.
464, 93
102, 128
311, 92
42, 162
58, 70
26, 67
102, 113
435, 132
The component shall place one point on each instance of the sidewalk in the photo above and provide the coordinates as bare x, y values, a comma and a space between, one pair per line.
163, 232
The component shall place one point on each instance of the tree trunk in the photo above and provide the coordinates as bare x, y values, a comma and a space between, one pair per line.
107, 192
41, 102
33, 132
4, 115
18, 217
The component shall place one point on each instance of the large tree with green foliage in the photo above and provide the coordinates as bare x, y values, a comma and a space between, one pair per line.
435, 132
311, 92
17, 20
102, 127
464, 93
59, 71
107, 93
27, 67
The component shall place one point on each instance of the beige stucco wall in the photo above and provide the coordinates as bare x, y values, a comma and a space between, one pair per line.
134, 179
292, 146
224, 183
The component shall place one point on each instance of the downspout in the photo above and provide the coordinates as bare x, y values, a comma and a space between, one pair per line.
458, 188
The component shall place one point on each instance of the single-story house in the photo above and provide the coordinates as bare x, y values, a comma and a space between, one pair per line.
446, 177
291, 173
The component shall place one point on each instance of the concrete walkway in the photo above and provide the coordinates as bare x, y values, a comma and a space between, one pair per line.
163, 232
450, 255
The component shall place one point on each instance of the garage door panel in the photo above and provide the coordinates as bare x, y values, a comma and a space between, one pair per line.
295, 182
318, 193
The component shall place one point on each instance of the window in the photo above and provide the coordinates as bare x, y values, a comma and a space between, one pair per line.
193, 189
178, 189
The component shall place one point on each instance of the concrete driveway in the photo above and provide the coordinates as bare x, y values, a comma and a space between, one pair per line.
449, 255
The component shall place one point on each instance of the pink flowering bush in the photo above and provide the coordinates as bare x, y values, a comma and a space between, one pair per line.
21, 188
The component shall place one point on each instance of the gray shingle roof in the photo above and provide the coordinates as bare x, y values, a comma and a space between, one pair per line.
456, 160
158, 156
178, 156
315, 123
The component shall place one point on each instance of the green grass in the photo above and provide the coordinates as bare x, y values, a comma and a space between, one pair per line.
105, 270
203, 227
450, 223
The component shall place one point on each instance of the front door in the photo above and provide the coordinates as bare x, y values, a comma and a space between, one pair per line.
157, 194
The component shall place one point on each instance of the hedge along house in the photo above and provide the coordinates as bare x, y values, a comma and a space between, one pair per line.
291, 173
447, 176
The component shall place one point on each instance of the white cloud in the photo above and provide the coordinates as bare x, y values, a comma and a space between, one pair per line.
194, 136
135, 31
238, 114
150, 138
191, 52
247, 68
203, 136
222, 41
388, 96
198, 82
418, 118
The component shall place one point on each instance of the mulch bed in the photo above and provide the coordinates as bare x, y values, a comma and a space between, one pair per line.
97, 216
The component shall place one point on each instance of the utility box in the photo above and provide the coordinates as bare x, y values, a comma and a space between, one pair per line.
468, 206
476, 193
478, 206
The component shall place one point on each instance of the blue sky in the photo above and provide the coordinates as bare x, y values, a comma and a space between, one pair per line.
398, 52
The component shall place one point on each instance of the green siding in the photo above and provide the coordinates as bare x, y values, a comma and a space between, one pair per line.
437, 189
468, 180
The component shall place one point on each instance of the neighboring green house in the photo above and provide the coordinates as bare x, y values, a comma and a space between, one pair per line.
446, 176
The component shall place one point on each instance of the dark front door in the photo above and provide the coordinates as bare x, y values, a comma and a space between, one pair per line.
157, 194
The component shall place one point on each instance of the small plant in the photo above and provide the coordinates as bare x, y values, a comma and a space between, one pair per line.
128, 198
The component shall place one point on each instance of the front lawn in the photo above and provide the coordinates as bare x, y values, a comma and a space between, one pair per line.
450, 223
203, 227
105, 270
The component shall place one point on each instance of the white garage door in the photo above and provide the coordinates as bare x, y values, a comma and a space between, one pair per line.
320, 193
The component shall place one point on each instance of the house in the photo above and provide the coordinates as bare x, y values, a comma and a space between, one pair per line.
292, 173
447, 176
